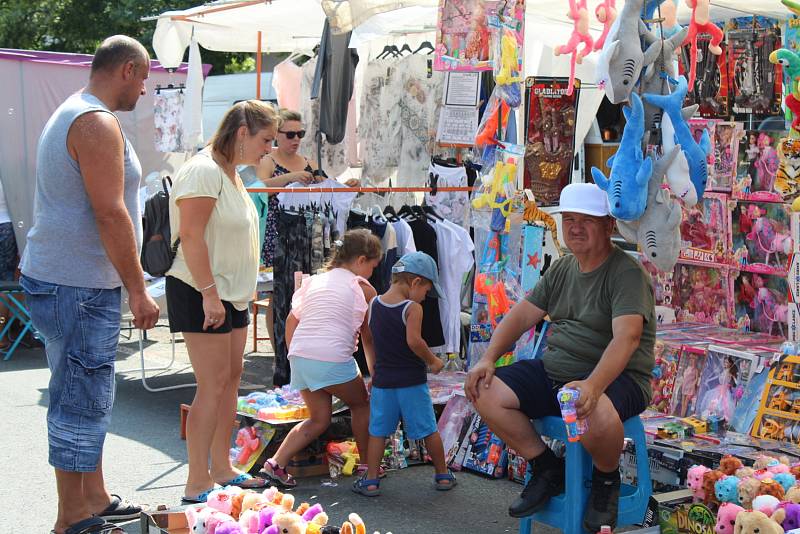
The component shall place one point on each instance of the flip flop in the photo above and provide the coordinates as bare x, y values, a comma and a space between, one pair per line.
439, 478
246, 481
361, 486
91, 525
120, 510
200, 498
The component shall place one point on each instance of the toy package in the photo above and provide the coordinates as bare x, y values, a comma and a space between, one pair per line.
463, 35
249, 443
747, 408
482, 451
703, 294
662, 381
723, 382
726, 153
787, 179
550, 120
711, 86
761, 303
451, 425
687, 381
705, 231
755, 82
762, 237
778, 414
758, 166
697, 126
663, 286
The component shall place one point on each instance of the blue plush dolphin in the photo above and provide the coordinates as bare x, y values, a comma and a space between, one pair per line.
695, 153
630, 170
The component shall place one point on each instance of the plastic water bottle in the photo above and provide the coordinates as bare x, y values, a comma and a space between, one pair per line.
452, 363
567, 397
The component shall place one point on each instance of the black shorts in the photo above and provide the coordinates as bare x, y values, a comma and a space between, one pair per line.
537, 392
185, 310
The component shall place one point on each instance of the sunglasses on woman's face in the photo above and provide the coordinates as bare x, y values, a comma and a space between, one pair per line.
290, 135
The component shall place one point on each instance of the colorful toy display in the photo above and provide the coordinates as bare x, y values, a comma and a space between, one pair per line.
755, 82
550, 123
726, 155
705, 231
761, 237
662, 381
761, 302
703, 294
482, 451
758, 166
462, 36
722, 382
687, 382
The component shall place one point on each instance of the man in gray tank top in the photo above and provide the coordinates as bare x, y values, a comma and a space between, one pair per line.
84, 245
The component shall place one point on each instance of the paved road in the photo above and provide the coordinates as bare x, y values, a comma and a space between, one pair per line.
145, 457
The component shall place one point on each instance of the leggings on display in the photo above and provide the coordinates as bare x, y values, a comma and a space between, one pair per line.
292, 253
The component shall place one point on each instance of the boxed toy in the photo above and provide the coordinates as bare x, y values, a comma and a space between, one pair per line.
755, 83
452, 425
723, 381
711, 86
703, 294
667, 466
762, 237
687, 381
705, 231
697, 126
758, 164
726, 153
679, 515
762, 303
663, 378
482, 451
779, 414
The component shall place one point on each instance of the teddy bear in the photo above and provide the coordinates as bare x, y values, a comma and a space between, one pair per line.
745, 472
793, 495
755, 523
771, 487
694, 479
726, 518
788, 515
766, 504
748, 490
727, 489
710, 478
762, 461
787, 480
729, 464
287, 523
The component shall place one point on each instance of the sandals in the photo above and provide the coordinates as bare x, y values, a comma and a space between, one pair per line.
246, 481
449, 477
361, 470
361, 486
92, 525
120, 510
200, 498
272, 471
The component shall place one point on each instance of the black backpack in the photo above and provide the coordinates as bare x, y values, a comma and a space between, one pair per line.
158, 251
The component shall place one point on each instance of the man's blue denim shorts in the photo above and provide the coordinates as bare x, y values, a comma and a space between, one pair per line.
80, 327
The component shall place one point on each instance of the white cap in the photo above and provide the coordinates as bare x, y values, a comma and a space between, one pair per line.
583, 198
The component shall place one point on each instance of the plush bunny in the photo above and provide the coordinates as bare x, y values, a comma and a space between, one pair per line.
727, 489
694, 479
730, 464
748, 490
726, 518
756, 523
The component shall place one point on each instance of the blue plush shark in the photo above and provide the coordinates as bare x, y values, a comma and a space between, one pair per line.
630, 170
695, 153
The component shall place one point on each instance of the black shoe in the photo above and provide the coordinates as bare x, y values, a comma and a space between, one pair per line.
603, 502
545, 482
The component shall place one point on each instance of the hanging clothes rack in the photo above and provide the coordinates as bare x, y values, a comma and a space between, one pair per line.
356, 189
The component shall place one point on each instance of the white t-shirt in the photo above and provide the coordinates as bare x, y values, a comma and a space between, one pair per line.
340, 201
455, 250
5, 216
405, 238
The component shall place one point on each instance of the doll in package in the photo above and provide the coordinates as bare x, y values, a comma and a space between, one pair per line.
762, 237
759, 165
761, 303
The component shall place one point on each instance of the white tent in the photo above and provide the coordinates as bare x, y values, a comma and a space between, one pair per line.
34, 85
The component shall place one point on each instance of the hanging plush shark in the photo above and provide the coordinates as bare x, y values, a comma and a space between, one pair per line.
678, 130
655, 79
621, 59
630, 170
657, 232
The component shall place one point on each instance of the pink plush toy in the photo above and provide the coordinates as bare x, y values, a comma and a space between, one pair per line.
312, 512
701, 23
606, 14
766, 504
726, 518
248, 442
229, 527
217, 519
694, 479
198, 519
776, 467
580, 34
221, 500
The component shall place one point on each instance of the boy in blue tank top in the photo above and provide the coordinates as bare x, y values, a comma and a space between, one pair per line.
399, 378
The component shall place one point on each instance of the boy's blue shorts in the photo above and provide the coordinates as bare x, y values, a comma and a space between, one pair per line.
412, 404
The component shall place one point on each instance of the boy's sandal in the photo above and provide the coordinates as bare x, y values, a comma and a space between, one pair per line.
200, 498
92, 525
120, 510
272, 471
361, 470
246, 481
444, 481
361, 486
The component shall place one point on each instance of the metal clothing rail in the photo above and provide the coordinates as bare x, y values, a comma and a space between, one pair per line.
357, 189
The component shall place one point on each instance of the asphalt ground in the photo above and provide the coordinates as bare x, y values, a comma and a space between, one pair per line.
145, 459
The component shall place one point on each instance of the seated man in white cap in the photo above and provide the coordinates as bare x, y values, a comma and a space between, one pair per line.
600, 304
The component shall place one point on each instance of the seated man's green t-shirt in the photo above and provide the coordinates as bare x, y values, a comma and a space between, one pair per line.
581, 307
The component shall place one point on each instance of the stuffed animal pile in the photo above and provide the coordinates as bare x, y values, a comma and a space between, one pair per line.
232, 510
763, 499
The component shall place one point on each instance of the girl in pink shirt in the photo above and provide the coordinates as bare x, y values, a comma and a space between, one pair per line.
328, 313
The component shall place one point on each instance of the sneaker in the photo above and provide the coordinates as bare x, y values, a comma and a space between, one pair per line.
543, 484
601, 509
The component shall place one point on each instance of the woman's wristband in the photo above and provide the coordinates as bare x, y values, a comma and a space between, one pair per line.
213, 284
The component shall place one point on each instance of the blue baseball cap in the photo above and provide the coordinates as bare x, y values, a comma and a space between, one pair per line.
422, 265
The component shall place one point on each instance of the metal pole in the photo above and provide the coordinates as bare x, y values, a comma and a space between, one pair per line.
258, 68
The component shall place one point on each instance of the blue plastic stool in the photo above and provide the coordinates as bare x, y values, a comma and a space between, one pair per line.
566, 510
10, 293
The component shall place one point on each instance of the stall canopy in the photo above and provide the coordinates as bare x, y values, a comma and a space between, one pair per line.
34, 85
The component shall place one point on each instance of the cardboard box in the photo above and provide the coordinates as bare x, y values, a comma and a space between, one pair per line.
679, 515
164, 521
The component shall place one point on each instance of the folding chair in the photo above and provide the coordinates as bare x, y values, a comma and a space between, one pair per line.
10, 293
